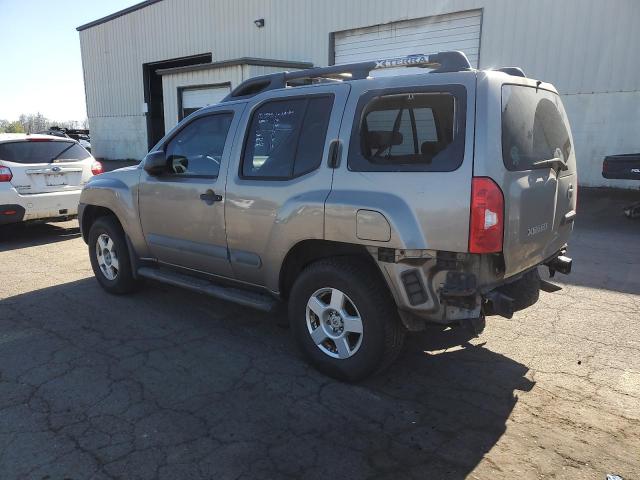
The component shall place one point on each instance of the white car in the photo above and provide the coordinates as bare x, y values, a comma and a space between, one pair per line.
41, 177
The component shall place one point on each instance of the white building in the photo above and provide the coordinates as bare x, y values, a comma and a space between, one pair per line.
147, 66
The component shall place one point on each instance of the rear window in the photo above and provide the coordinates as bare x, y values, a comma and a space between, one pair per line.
41, 152
409, 131
533, 127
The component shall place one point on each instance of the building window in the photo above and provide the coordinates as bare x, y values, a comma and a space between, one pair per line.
286, 137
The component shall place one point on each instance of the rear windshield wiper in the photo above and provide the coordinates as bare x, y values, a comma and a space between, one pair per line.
550, 163
63, 151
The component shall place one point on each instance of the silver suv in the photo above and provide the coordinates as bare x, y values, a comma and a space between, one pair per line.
371, 205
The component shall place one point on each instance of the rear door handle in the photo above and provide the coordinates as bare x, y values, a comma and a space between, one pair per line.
210, 197
334, 154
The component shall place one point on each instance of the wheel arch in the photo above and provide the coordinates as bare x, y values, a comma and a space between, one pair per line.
90, 213
306, 252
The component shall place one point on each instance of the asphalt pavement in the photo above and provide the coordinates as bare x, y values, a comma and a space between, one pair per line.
169, 384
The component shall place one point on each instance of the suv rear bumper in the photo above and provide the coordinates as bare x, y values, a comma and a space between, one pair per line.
445, 292
38, 206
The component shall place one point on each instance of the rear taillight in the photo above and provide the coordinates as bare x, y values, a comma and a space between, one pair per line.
96, 168
487, 216
5, 174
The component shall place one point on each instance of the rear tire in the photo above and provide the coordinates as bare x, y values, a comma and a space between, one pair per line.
344, 320
109, 256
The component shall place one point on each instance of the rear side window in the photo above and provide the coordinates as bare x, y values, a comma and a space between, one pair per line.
408, 131
533, 127
286, 138
41, 151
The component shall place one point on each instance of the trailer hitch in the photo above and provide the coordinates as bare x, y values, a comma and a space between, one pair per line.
560, 264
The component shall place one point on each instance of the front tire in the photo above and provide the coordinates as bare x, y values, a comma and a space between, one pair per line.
110, 256
344, 320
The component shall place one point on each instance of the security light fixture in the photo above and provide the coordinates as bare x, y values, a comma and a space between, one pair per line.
259, 22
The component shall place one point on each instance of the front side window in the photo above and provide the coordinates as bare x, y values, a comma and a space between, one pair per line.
286, 137
197, 149
407, 131
533, 127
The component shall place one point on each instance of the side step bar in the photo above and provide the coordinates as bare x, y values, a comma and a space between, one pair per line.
259, 301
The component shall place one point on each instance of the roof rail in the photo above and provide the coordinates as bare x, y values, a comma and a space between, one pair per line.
451, 61
515, 71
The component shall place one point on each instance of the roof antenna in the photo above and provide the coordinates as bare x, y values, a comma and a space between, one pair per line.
537, 85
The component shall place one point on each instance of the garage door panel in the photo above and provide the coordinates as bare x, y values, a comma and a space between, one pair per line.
202, 96
465, 33
465, 43
441, 22
401, 34
455, 31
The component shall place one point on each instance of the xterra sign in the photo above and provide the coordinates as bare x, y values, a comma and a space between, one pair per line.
531, 231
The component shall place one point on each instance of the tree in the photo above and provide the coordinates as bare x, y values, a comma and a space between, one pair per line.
10, 127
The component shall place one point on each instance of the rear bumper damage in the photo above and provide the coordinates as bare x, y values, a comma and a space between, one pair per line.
447, 288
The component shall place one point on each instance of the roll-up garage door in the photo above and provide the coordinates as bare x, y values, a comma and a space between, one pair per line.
197, 97
452, 31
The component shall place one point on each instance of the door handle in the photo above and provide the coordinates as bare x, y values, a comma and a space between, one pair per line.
210, 197
334, 154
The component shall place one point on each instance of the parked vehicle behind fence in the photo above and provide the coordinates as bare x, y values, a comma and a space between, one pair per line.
373, 206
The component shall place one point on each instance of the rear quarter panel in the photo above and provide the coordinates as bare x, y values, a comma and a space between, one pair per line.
426, 210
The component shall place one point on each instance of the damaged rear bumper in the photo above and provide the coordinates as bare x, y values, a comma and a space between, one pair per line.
448, 287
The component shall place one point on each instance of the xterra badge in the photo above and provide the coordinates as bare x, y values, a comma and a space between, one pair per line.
531, 231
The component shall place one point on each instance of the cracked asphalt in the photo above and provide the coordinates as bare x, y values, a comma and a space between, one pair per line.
172, 385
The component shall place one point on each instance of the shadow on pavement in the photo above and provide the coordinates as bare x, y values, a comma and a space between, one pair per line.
166, 383
33, 234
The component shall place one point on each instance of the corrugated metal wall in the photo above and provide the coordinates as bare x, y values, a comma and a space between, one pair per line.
587, 48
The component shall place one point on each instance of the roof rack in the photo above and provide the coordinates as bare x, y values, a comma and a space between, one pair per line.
451, 61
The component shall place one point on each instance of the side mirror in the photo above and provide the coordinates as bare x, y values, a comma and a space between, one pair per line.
155, 163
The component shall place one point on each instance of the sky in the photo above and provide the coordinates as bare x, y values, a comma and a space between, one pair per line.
40, 63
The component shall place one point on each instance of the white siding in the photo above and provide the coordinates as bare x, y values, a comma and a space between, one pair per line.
587, 48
